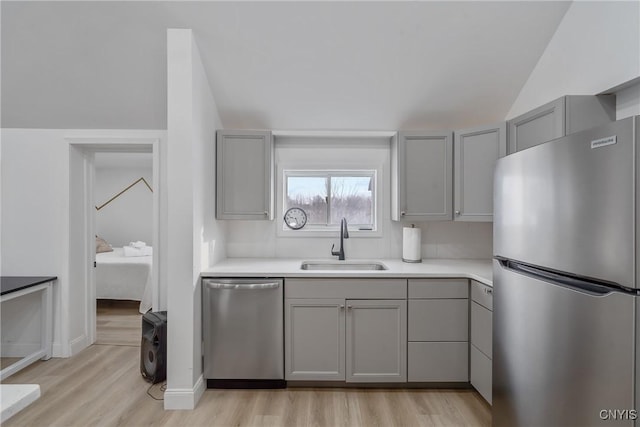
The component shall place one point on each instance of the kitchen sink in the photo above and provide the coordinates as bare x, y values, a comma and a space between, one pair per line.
342, 265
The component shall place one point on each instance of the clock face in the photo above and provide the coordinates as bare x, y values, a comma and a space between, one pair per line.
295, 218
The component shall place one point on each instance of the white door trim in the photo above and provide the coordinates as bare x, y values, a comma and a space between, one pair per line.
89, 145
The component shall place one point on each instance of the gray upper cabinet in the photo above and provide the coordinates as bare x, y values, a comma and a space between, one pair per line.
422, 175
244, 179
558, 118
475, 153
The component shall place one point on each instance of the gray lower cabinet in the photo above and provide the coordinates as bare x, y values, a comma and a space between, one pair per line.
481, 338
558, 118
244, 175
376, 341
314, 339
325, 336
481, 373
347, 338
438, 330
422, 176
476, 151
438, 362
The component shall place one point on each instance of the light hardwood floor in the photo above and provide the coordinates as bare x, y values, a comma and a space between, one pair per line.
118, 323
102, 386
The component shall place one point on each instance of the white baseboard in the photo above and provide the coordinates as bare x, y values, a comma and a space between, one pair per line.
78, 344
184, 398
19, 349
58, 350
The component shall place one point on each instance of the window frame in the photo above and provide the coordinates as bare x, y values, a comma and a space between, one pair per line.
329, 229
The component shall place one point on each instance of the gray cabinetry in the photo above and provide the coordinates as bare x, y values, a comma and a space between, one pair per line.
422, 174
376, 341
481, 338
475, 153
438, 330
335, 330
558, 118
314, 339
244, 175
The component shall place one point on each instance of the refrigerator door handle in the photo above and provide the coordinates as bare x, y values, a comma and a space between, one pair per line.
583, 285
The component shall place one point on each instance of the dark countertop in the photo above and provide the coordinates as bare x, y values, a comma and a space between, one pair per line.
10, 284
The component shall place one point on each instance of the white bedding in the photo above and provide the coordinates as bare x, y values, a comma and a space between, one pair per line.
120, 277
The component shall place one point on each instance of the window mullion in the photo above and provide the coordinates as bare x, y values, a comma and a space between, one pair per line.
328, 181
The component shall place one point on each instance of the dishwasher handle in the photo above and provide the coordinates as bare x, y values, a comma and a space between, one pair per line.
241, 286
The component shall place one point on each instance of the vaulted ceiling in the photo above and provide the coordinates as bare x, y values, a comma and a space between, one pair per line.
279, 65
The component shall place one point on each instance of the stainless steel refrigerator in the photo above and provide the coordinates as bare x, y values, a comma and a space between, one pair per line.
566, 280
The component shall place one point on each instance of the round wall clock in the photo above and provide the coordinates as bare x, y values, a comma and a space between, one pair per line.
295, 218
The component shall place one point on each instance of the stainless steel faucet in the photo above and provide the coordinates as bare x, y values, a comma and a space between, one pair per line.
344, 234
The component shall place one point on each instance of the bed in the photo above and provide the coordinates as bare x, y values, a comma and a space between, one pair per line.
125, 278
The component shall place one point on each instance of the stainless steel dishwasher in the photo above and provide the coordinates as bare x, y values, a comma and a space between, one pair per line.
243, 332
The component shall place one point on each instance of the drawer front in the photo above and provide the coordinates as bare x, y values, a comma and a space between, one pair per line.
438, 320
481, 333
346, 288
438, 362
481, 373
482, 294
438, 288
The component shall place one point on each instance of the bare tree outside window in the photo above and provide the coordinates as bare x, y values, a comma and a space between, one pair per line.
310, 194
329, 197
351, 199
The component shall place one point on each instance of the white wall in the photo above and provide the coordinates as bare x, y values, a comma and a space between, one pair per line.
440, 239
129, 217
35, 206
596, 47
446, 239
36, 219
195, 239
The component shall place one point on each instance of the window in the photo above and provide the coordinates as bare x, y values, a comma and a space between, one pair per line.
329, 196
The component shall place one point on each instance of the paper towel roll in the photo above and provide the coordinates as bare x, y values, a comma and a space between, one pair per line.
411, 244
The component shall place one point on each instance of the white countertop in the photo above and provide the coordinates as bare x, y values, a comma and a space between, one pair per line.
16, 397
476, 269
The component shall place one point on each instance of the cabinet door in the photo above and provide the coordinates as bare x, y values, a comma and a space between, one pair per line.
481, 325
376, 341
543, 124
481, 372
587, 111
475, 154
438, 288
244, 180
482, 294
314, 339
423, 169
438, 362
438, 320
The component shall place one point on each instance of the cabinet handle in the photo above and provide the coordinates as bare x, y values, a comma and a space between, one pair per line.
488, 291
402, 213
342, 307
457, 213
266, 213
349, 307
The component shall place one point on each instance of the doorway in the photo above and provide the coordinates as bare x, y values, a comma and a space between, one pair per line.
123, 191
83, 204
